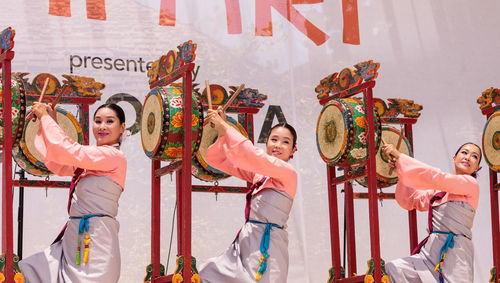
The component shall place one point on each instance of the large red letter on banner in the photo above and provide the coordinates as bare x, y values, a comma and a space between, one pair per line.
167, 13
233, 16
96, 9
264, 25
350, 33
60, 8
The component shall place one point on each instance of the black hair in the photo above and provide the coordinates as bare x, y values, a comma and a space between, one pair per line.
474, 174
118, 110
290, 128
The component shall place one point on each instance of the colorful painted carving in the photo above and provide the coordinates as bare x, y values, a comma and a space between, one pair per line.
18, 111
18, 276
177, 277
149, 272
83, 86
405, 107
72, 85
347, 78
52, 86
488, 98
371, 267
248, 97
7, 39
173, 60
493, 275
331, 274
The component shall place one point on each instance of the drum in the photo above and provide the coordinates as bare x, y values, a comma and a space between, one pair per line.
30, 156
18, 109
198, 171
491, 141
341, 133
28, 167
384, 179
162, 133
207, 172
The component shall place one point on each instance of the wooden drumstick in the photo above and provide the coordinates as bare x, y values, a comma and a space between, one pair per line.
233, 97
40, 99
209, 95
56, 100
43, 90
397, 147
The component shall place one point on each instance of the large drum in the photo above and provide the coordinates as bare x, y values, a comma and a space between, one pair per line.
18, 109
491, 141
201, 169
162, 132
341, 133
384, 179
28, 157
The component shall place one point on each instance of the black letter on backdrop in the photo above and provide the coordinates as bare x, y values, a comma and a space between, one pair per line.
115, 98
273, 110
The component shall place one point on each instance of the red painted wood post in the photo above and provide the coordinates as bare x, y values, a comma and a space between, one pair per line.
334, 221
412, 214
351, 233
7, 214
155, 219
372, 185
495, 230
85, 122
186, 178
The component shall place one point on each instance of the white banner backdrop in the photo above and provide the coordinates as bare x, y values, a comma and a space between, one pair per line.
442, 54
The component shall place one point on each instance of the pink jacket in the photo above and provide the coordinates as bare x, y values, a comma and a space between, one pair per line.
236, 155
418, 182
62, 155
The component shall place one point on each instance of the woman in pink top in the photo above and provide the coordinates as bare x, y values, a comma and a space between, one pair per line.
260, 249
447, 254
87, 250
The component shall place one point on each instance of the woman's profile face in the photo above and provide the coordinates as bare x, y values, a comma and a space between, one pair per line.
106, 127
280, 143
467, 159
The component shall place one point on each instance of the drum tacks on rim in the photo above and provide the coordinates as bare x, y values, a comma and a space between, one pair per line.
384, 179
201, 169
491, 142
341, 133
18, 105
162, 132
28, 157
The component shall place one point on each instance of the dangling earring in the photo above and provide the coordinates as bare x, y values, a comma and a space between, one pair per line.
293, 151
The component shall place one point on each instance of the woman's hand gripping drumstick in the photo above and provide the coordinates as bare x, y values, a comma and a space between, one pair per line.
51, 107
400, 139
30, 116
218, 119
392, 152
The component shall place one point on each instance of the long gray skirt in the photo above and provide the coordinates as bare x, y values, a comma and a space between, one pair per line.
240, 262
93, 195
458, 265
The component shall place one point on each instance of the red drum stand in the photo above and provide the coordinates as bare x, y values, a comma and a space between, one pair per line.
486, 100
